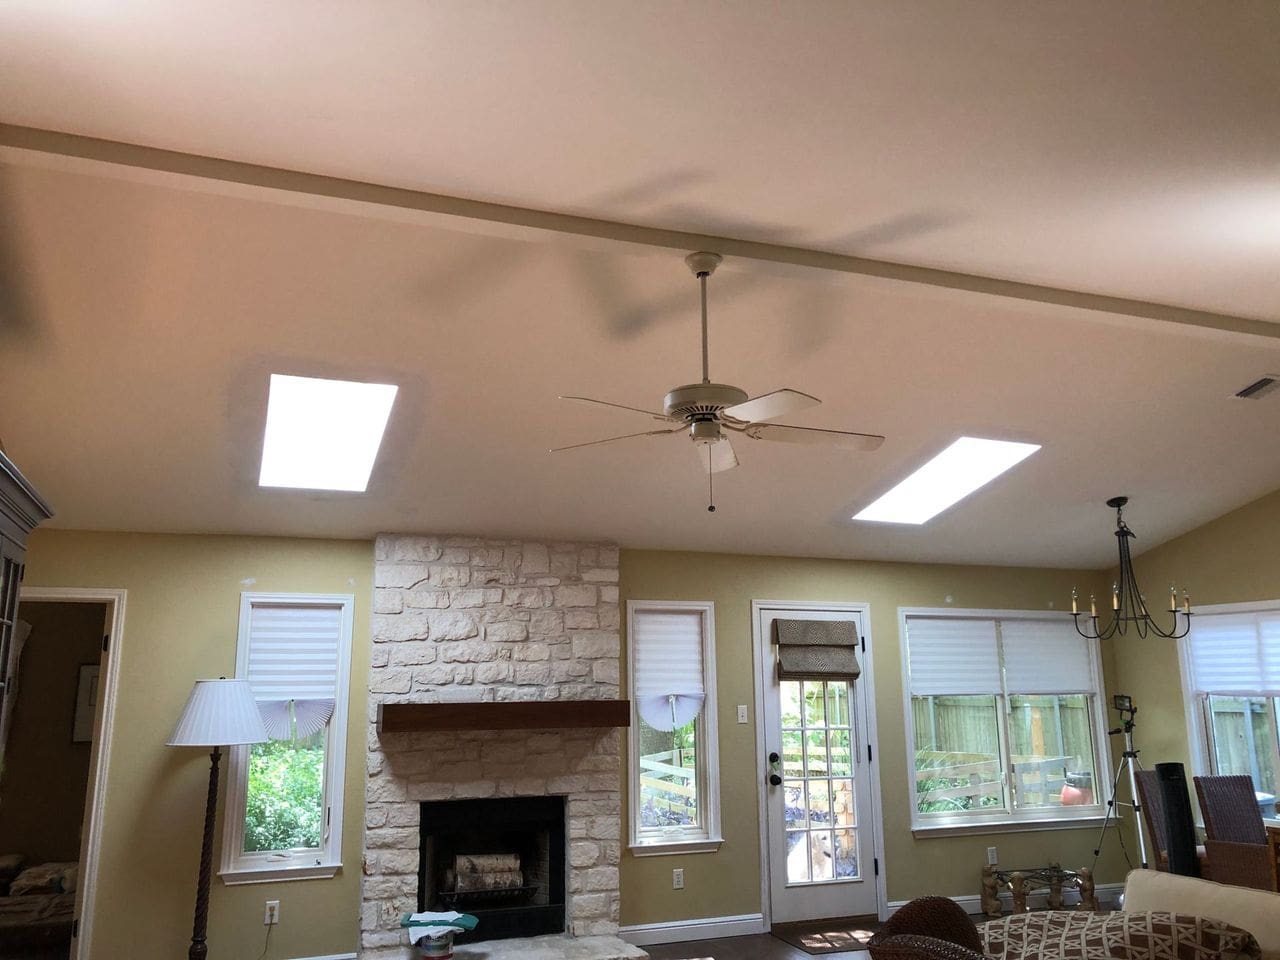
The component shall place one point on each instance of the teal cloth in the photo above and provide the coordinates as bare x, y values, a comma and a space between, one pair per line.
464, 920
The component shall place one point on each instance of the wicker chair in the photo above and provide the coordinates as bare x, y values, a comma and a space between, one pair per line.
1235, 837
1152, 799
927, 928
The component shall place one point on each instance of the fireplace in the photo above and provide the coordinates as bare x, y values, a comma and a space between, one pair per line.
499, 859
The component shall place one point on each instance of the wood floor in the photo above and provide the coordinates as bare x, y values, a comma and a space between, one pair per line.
758, 947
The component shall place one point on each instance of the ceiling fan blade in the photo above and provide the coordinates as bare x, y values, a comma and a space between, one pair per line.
717, 457
812, 435
625, 436
622, 406
771, 405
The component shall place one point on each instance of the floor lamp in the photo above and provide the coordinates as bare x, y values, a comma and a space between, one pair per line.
219, 713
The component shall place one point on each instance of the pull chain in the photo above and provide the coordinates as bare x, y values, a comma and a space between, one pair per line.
711, 485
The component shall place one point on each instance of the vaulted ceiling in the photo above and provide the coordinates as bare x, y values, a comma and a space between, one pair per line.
1122, 150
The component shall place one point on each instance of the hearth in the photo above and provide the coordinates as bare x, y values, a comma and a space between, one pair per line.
500, 859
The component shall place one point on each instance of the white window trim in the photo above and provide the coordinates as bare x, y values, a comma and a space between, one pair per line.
1198, 744
1011, 820
709, 839
239, 867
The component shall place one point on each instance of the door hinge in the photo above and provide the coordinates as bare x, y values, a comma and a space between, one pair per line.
876, 862
106, 641
868, 753
75, 928
864, 643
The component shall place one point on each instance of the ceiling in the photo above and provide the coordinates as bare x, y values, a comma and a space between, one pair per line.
1098, 147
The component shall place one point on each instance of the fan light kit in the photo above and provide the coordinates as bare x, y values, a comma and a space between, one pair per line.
707, 410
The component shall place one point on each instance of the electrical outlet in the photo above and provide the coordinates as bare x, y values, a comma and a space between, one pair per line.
271, 914
677, 878
992, 857
742, 713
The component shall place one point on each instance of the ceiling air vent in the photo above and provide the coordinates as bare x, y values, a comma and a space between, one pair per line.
1260, 387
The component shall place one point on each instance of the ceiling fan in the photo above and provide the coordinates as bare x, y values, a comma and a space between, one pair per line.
709, 412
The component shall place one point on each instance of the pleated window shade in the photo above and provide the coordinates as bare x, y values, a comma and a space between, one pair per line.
817, 649
668, 684
1236, 654
1041, 656
293, 666
952, 656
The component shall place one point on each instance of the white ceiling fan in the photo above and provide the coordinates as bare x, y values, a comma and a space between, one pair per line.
709, 412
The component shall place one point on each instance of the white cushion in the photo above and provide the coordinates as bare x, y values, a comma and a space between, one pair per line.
1254, 910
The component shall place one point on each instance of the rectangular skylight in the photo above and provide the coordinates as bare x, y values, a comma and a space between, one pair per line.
323, 434
952, 475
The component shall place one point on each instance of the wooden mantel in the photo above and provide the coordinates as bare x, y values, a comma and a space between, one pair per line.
506, 715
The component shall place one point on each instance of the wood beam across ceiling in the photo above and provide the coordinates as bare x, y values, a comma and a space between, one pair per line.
30, 140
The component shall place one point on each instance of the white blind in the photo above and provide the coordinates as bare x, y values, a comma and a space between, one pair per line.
1236, 653
668, 683
293, 651
952, 655
1043, 656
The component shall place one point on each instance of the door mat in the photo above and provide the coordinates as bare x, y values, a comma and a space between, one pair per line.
827, 936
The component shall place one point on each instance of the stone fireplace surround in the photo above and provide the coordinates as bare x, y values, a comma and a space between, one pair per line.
468, 619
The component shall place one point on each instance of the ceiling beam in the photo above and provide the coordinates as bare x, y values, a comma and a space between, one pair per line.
314, 185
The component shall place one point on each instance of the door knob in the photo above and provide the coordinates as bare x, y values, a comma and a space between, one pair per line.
774, 758
774, 780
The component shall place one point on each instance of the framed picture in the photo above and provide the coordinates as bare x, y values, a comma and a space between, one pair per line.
86, 704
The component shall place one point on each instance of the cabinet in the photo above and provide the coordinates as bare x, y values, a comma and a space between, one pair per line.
21, 510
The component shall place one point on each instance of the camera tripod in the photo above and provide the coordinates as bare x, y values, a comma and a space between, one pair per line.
1130, 764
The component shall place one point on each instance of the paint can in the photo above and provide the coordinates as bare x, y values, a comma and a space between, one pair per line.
436, 948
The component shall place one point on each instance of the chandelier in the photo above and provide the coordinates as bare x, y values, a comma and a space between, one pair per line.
1128, 605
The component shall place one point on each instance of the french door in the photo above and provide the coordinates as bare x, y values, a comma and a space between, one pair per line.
818, 782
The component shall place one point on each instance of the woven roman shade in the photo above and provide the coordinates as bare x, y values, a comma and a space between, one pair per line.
816, 649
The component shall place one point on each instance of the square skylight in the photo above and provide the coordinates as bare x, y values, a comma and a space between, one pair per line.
323, 434
952, 475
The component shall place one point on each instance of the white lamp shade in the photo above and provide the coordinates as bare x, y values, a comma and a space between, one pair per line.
219, 713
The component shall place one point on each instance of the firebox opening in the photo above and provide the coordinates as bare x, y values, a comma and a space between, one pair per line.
502, 860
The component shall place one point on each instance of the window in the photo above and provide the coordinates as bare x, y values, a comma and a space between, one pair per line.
1002, 720
284, 817
1232, 661
674, 768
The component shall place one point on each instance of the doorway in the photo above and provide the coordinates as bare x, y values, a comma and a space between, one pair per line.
821, 846
55, 762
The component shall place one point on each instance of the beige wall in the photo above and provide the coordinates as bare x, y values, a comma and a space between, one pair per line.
727, 883
180, 625
1229, 560
45, 773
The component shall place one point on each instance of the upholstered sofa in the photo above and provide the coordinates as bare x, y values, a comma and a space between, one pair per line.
1165, 917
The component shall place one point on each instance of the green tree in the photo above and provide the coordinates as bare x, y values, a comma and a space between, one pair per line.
284, 808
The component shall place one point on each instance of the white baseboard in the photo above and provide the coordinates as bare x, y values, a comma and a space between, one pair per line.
708, 928
331, 956
973, 904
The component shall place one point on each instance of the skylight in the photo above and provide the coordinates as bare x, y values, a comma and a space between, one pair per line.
952, 475
323, 434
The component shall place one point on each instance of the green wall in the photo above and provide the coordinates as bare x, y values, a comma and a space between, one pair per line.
181, 619
727, 883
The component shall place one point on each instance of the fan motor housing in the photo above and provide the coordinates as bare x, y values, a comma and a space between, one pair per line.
696, 401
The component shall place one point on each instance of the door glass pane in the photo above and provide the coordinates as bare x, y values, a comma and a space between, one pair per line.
816, 747
957, 754
1244, 743
1051, 747
798, 857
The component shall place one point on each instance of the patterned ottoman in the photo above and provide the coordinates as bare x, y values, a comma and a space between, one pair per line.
1068, 935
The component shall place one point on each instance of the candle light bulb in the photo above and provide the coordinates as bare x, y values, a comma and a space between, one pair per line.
1075, 601
1173, 599
1093, 606
1186, 603
1115, 596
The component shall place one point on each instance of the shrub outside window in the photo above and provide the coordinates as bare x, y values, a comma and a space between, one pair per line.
674, 768
284, 818
1002, 719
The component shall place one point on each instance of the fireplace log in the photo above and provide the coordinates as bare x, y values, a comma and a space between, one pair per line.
485, 862
472, 882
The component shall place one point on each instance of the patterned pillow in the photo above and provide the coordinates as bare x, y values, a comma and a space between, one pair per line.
1066, 935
